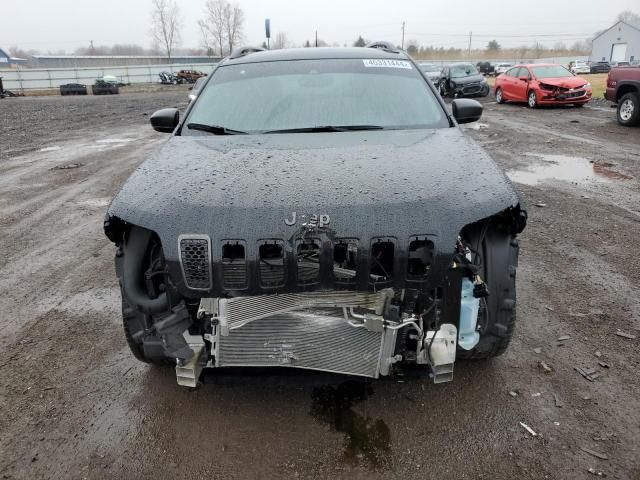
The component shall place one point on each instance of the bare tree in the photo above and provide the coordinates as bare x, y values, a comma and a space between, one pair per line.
165, 24
630, 17
213, 27
221, 27
280, 41
234, 18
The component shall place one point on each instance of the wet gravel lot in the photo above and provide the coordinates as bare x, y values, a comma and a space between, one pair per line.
75, 404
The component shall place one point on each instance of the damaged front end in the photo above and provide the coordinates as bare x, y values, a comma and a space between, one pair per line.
351, 306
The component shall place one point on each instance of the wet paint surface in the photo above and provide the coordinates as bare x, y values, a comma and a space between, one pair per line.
547, 168
367, 439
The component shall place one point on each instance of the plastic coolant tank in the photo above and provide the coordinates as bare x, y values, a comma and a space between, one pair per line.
468, 337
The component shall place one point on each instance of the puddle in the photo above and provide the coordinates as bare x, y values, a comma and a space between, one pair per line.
50, 149
366, 439
568, 169
115, 140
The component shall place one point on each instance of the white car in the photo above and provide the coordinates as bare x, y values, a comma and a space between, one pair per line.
502, 67
580, 67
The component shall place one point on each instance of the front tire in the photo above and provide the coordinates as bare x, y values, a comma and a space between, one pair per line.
532, 99
499, 96
628, 111
497, 316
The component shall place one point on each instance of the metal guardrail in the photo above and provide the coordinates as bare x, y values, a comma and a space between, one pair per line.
21, 79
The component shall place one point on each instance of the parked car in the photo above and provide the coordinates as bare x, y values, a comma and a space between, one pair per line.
73, 89
103, 87
431, 70
462, 80
485, 68
189, 76
579, 66
195, 90
542, 84
599, 67
167, 78
623, 89
501, 68
261, 234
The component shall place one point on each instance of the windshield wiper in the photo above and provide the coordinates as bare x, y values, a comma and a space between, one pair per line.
215, 129
328, 128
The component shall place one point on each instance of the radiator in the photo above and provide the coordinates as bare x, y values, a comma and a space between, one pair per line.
316, 339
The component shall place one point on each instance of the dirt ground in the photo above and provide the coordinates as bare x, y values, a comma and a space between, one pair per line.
75, 403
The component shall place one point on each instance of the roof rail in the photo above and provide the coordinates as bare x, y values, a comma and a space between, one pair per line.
386, 46
243, 51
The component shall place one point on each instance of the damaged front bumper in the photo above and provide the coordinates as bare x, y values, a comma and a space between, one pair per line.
335, 331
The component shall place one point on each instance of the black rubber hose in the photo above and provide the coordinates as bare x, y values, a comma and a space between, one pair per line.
133, 271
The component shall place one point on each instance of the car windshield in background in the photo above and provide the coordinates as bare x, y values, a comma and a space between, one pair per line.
458, 71
316, 94
551, 71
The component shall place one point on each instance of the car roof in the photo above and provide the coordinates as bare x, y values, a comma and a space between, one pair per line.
321, 53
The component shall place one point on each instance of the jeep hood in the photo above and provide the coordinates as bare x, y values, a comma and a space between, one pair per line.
371, 184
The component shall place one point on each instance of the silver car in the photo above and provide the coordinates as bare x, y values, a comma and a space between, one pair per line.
431, 70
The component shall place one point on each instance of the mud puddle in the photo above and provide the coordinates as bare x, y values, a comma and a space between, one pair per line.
367, 440
575, 170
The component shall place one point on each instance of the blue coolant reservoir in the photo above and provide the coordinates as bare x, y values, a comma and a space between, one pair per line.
468, 337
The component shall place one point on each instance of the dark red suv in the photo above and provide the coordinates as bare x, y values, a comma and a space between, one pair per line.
623, 89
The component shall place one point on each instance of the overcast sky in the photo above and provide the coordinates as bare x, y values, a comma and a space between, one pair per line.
67, 24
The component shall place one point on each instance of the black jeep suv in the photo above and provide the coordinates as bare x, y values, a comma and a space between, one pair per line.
317, 208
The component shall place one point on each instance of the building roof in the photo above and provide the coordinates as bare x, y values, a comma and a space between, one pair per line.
11, 59
615, 25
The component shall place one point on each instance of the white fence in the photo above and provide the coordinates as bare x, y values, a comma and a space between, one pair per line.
19, 79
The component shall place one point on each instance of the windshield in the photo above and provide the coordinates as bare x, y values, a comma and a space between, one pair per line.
551, 71
458, 71
285, 95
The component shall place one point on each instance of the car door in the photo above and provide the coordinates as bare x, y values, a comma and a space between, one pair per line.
521, 87
507, 84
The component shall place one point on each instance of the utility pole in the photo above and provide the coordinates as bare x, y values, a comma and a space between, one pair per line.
403, 35
470, 38
316, 38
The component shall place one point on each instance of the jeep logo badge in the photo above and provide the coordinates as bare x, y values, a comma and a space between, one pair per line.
315, 220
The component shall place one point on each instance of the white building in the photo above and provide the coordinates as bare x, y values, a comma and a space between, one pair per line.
619, 43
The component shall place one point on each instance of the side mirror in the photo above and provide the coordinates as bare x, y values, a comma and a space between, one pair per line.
165, 120
524, 79
466, 110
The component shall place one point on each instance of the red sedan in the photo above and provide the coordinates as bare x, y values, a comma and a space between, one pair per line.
542, 84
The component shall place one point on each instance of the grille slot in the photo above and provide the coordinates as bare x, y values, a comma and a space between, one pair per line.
382, 260
345, 260
234, 265
308, 255
195, 258
271, 264
420, 258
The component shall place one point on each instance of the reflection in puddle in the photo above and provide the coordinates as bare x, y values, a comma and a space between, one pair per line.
366, 438
561, 167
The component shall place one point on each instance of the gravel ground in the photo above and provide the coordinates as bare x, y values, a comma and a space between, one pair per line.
75, 404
